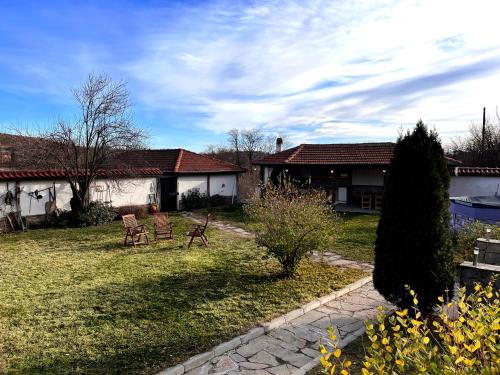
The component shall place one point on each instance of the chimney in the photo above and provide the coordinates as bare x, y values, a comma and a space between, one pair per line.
279, 144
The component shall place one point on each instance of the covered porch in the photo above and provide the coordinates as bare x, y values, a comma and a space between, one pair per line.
349, 188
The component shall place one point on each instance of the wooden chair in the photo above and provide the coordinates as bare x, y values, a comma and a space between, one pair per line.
198, 230
137, 232
162, 226
366, 201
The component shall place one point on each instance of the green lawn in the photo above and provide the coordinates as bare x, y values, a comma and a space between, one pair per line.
76, 301
356, 239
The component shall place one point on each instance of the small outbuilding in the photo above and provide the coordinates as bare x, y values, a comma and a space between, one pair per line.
183, 170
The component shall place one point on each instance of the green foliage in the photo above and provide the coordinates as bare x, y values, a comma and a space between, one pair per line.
291, 223
194, 199
465, 239
463, 339
76, 301
354, 240
95, 213
413, 245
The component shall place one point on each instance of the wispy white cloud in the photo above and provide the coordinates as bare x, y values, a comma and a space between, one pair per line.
326, 69
316, 70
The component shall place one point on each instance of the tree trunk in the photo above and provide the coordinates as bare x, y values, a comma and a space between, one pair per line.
80, 198
75, 201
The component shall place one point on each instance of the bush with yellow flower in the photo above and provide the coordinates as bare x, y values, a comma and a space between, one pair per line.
463, 338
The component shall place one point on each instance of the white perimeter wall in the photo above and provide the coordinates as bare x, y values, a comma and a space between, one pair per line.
186, 183
221, 184
474, 186
368, 177
225, 185
124, 192
128, 192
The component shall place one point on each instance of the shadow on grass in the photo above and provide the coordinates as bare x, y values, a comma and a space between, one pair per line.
184, 309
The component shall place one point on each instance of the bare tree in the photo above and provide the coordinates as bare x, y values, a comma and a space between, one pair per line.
479, 148
252, 142
234, 139
269, 144
94, 143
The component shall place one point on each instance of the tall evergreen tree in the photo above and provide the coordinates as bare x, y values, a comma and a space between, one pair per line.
413, 245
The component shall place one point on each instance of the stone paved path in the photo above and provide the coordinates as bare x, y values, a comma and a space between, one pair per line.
328, 257
226, 227
287, 348
334, 259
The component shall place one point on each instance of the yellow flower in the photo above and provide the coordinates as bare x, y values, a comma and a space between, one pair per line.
469, 362
426, 340
344, 372
337, 353
459, 359
400, 362
385, 341
402, 313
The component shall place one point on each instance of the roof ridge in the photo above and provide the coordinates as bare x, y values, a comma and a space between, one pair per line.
179, 159
293, 154
214, 159
349, 144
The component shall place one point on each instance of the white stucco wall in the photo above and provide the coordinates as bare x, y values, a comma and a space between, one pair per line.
124, 192
474, 186
130, 192
186, 183
31, 205
368, 177
225, 185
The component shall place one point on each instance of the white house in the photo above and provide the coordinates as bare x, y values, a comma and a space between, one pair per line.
159, 176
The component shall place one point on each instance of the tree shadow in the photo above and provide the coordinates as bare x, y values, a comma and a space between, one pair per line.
182, 309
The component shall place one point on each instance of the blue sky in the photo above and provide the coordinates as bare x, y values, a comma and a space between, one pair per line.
316, 71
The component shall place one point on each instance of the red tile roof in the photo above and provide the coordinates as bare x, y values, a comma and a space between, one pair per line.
477, 171
18, 175
190, 162
181, 161
341, 154
337, 154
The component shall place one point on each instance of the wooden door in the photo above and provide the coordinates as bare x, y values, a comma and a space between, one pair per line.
168, 194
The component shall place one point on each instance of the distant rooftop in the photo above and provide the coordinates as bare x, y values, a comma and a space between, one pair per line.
342, 154
336, 154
